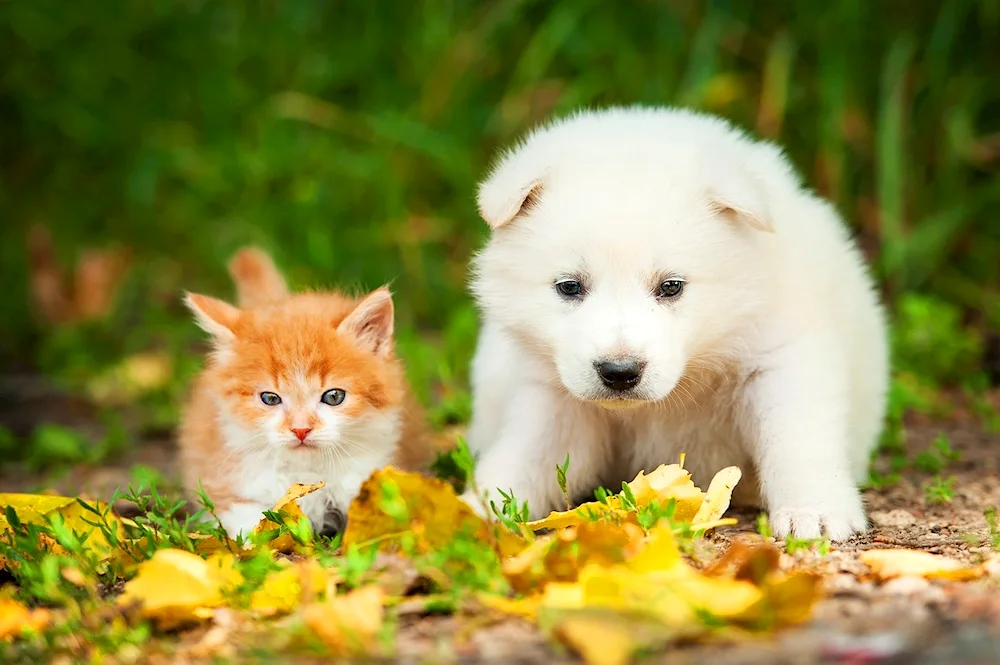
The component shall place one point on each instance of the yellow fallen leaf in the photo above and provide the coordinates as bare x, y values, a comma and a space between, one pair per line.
660, 552
657, 582
600, 580
558, 557
718, 495
585, 512
676, 597
598, 641
419, 505
176, 587
15, 618
349, 624
526, 608
668, 482
289, 505
887, 564
605, 637
31, 508
665, 483
789, 599
39, 508
290, 587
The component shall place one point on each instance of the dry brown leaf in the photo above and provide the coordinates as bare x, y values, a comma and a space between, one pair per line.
98, 276
90, 294
887, 564
217, 642
429, 509
349, 624
748, 561
49, 292
176, 587
15, 618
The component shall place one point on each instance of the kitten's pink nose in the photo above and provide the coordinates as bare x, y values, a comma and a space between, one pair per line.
302, 433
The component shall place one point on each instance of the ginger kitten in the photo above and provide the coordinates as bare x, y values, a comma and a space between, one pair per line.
299, 388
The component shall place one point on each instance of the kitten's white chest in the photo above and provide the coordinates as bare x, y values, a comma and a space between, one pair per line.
265, 482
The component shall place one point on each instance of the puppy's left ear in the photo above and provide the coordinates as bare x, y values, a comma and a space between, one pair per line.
734, 194
512, 188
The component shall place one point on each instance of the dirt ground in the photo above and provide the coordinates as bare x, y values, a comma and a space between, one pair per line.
904, 621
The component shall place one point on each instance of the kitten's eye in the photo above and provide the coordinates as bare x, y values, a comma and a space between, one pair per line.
670, 288
271, 399
570, 288
333, 397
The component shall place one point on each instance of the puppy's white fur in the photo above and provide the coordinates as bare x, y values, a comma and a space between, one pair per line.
773, 357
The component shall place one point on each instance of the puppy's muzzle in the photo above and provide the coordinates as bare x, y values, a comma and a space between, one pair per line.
620, 375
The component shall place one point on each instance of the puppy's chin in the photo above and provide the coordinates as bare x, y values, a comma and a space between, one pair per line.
619, 404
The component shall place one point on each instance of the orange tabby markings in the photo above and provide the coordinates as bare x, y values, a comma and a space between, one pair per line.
299, 388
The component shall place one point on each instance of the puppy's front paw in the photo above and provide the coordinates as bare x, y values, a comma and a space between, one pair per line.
837, 521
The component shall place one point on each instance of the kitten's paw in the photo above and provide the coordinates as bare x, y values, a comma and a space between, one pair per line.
475, 502
334, 522
835, 521
241, 518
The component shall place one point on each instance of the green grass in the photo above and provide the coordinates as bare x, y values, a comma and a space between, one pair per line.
939, 489
993, 528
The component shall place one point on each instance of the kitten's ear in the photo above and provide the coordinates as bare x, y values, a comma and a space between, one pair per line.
214, 316
371, 323
733, 193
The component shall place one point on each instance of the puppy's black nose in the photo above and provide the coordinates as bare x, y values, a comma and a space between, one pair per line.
620, 374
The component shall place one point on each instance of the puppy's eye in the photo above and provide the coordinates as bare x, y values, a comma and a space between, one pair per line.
271, 399
670, 288
333, 397
569, 288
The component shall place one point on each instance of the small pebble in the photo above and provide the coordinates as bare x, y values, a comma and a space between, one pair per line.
897, 518
863, 648
906, 586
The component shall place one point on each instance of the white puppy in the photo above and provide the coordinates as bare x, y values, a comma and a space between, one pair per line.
658, 283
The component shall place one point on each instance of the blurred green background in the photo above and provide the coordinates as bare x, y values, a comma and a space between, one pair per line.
348, 137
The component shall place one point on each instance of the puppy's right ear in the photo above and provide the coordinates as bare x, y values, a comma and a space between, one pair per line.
512, 189
214, 316
734, 194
